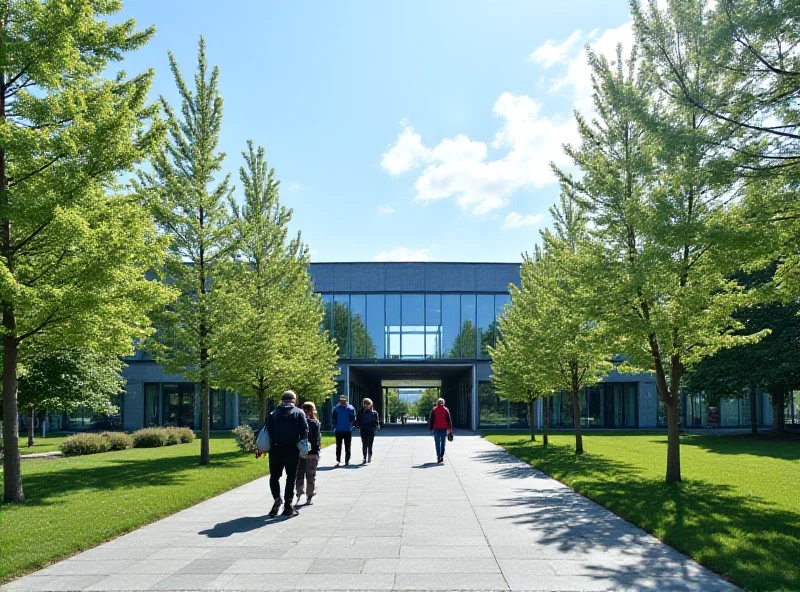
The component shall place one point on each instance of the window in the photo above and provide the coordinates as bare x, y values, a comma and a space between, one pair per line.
327, 308
467, 337
486, 324
413, 318
492, 410
341, 323
393, 326
451, 323
177, 408
152, 415
358, 327
376, 341
594, 416
433, 326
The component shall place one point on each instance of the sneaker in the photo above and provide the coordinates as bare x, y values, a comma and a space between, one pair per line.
308, 500
363, 462
289, 511
347, 463
337, 463
275, 507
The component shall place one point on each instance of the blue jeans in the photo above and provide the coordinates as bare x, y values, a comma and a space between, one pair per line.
440, 438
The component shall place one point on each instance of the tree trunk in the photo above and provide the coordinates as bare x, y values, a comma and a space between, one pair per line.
262, 407
12, 475
674, 425
205, 423
576, 416
532, 418
753, 410
31, 425
778, 409
545, 422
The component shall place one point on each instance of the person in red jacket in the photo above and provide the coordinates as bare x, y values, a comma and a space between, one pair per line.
440, 424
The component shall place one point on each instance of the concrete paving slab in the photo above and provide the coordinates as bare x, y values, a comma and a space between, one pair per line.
481, 521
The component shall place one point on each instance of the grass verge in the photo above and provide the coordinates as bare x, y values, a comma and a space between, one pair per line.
76, 503
737, 510
48, 444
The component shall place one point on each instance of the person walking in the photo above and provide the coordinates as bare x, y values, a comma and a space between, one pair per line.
440, 424
368, 423
344, 418
307, 467
287, 426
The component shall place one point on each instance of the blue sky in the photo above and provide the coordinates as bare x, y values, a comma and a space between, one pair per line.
413, 130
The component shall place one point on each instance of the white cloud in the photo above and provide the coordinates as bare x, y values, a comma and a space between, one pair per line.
403, 254
387, 210
406, 154
459, 168
516, 220
576, 76
294, 187
482, 176
551, 52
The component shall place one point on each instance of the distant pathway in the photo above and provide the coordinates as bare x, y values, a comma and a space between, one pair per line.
481, 521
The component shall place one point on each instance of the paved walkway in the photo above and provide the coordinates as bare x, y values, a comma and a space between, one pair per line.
482, 521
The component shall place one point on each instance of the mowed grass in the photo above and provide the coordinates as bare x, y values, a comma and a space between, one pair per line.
73, 504
48, 444
737, 510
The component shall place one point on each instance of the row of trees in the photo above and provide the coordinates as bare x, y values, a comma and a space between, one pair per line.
98, 191
683, 184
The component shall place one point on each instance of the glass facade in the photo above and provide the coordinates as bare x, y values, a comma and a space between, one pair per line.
605, 405
413, 326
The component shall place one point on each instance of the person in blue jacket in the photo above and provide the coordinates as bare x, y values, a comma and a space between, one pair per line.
344, 418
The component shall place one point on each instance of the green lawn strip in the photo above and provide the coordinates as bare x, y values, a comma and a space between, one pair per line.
48, 444
76, 503
737, 510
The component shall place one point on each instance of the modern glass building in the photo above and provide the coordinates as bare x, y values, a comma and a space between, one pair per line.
419, 325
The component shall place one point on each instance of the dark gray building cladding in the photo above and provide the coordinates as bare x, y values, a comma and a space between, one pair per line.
415, 325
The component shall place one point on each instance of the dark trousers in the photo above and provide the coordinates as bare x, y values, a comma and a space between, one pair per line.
306, 475
440, 439
367, 438
347, 438
283, 458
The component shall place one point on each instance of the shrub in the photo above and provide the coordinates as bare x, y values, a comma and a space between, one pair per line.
80, 444
245, 438
150, 438
187, 435
118, 440
173, 436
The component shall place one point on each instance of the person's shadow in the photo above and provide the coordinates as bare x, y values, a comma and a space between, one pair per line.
241, 525
427, 465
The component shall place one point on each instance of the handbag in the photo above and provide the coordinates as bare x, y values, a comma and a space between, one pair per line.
263, 442
304, 448
450, 437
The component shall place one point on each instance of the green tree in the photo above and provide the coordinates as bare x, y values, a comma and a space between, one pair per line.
268, 334
191, 206
427, 402
659, 201
395, 405
517, 359
66, 380
74, 247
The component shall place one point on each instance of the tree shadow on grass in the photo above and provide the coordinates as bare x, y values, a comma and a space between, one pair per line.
745, 538
47, 488
785, 448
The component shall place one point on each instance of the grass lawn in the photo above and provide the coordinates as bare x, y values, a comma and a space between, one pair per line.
77, 503
737, 510
48, 444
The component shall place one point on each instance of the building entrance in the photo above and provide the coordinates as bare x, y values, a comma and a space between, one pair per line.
455, 383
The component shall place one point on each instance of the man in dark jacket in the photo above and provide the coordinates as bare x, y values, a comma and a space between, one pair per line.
287, 426
344, 418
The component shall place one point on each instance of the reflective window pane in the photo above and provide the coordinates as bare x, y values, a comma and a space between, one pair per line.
413, 317
393, 326
376, 340
451, 324
327, 307
486, 324
358, 326
341, 323
468, 336
433, 326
